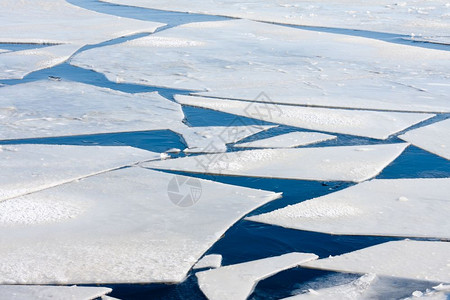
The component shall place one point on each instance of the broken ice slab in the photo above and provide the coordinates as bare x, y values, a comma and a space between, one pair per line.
215, 138
29, 168
391, 207
136, 226
27, 292
412, 17
434, 138
212, 261
288, 140
416, 260
346, 163
56, 21
238, 281
373, 124
292, 66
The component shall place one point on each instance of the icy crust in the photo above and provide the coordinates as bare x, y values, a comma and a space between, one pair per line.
398, 207
130, 232
238, 281
211, 261
56, 21
24, 292
416, 260
29, 168
434, 138
412, 17
239, 58
378, 125
322, 163
288, 140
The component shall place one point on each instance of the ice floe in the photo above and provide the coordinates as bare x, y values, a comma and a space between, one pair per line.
238, 59
397, 207
137, 226
374, 124
412, 17
212, 261
26, 292
238, 281
288, 140
28, 168
416, 260
347, 163
434, 138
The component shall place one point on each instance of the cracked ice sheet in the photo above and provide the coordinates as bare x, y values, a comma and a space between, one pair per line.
215, 138
29, 168
416, 260
345, 163
398, 207
130, 231
412, 17
18, 292
238, 281
288, 140
434, 138
239, 59
56, 21
374, 124
212, 261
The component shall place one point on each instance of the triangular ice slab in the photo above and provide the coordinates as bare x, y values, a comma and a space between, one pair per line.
28, 168
238, 281
399, 207
417, 260
211, 261
27, 292
434, 138
288, 140
136, 226
347, 163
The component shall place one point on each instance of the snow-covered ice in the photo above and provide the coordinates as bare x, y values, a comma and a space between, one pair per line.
346, 163
391, 207
238, 281
288, 140
240, 58
212, 261
434, 138
28, 168
36, 292
416, 260
374, 124
130, 230
411, 17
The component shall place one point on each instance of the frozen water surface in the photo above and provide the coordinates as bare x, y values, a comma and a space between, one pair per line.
212, 261
27, 292
288, 140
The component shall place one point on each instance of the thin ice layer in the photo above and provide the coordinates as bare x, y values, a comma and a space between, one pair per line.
238, 281
239, 59
139, 226
347, 163
288, 140
397, 207
26, 292
374, 124
29, 168
434, 138
411, 17
417, 260
211, 261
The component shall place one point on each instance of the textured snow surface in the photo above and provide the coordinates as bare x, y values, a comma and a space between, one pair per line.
130, 231
398, 207
24, 292
240, 58
212, 261
417, 260
288, 140
434, 138
411, 17
348, 163
238, 281
28, 168
374, 124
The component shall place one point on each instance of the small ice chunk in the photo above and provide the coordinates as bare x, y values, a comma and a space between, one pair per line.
37, 292
238, 281
212, 261
288, 140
